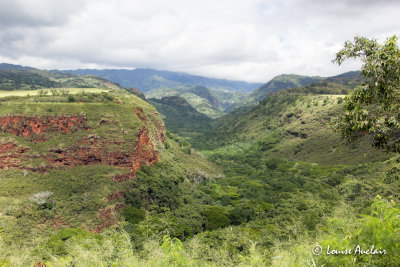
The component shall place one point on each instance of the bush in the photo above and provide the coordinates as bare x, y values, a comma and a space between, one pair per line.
215, 218
133, 215
71, 98
41, 198
240, 215
57, 242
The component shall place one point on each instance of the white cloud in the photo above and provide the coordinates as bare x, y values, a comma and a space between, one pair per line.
251, 40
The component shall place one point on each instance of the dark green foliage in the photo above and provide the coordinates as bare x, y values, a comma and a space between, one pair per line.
190, 219
373, 106
160, 185
180, 117
71, 98
24, 80
311, 219
269, 141
133, 215
241, 215
215, 218
56, 244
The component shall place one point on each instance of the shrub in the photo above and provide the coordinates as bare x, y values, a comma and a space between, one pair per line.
240, 215
133, 215
41, 198
57, 242
215, 218
71, 98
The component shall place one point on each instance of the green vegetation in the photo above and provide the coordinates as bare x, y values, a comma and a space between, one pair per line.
180, 117
373, 106
200, 98
33, 79
281, 82
56, 91
264, 185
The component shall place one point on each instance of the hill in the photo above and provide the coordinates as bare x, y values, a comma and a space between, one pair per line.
200, 98
148, 79
340, 84
281, 82
6, 66
180, 117
24, 78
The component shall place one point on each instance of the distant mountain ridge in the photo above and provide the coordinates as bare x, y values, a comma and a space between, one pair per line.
282, 82
7, 66
16, 77
148, 79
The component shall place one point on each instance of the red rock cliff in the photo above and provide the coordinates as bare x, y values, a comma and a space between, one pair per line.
29, 126
89, 150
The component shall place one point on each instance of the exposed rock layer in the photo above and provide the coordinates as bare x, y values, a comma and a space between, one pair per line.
86, 151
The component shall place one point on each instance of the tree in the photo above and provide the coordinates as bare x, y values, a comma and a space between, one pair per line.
374, 105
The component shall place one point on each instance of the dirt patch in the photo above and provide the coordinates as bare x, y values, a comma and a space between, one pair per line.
11, 155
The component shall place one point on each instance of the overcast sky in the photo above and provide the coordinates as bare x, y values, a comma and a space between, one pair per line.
251, 40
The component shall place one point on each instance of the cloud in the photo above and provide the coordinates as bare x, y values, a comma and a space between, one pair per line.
250, 40
36, 13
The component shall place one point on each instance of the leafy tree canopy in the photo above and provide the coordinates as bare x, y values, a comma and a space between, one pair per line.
374, 105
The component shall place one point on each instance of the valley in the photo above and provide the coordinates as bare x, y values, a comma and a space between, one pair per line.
96, 174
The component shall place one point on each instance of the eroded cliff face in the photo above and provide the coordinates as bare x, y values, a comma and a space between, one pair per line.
11, 155
85, 151
36, 128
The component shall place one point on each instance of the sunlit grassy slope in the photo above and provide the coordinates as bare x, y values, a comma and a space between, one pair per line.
48, 92
299, 126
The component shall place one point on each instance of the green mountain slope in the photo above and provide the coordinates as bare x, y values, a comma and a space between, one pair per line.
149, 79
281, 82
180, 117
340, 84
200, 98
22, 78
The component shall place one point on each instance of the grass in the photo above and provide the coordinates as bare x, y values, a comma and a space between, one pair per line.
36, 92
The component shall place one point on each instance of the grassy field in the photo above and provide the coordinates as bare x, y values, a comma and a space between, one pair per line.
36, 92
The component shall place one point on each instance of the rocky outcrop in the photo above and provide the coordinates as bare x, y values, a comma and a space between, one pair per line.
11, 154
159, 132
89, 150
37, 127
109, 218
144, 152
140, 114
116, 195
85, 151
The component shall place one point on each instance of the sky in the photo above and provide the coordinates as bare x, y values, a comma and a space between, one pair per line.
250, 40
